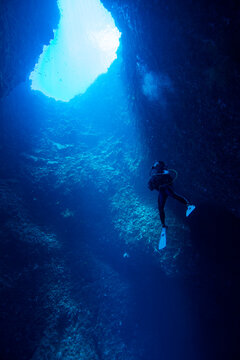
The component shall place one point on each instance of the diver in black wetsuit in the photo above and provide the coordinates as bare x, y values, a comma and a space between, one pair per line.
162, 181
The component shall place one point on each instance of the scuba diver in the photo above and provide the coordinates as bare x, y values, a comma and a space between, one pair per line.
162, 180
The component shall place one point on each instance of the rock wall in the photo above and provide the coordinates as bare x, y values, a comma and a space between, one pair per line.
98, 296
25, 26
182, 69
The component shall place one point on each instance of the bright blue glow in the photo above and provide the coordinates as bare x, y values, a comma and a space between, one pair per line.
84, 46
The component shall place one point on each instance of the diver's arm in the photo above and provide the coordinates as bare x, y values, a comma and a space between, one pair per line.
163, 172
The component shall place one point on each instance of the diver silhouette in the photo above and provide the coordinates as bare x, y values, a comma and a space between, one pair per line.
162, 181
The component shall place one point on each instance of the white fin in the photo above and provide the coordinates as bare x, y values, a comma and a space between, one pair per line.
163, 239
190, 209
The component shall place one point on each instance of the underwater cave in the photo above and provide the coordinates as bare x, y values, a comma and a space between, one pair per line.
84, 47
93, 96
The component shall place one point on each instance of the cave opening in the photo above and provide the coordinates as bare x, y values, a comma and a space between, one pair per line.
83, 277
86, 186
84, 46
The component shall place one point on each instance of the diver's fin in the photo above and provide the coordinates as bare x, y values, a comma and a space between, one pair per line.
163, 239
190, 209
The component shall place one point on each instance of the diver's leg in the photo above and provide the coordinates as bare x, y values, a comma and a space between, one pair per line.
162, 197
171, 192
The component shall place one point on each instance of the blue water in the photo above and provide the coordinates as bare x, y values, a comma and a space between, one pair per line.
84, 46
85, 205
80, 228
92, 224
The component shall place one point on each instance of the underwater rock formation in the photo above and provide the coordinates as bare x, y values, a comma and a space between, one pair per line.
79, 228
25, 26
182, 69
174, 52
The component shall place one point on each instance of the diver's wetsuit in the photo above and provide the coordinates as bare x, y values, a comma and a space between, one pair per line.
162, 182
164, 192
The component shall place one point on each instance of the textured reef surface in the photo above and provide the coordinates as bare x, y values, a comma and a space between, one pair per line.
80, 274
183, 71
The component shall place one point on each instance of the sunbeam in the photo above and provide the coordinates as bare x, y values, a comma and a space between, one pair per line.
84, 47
